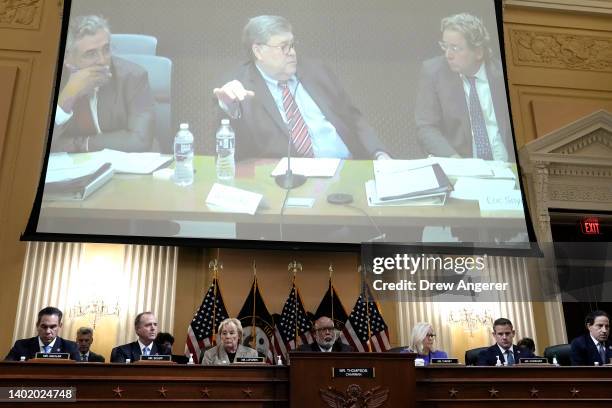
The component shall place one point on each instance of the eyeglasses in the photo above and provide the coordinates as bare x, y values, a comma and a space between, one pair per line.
285, 48
449, 47
324, 329
431, 335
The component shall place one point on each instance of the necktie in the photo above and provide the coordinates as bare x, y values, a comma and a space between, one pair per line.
510, 357
479, 128
298, 128
47, 349
602, 352
145, 351
83, 118
83, 357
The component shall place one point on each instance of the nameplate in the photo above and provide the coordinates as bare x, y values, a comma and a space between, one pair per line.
54, 356
158, 357
444, 361
367, 372
533, 360
501, 201
249, 360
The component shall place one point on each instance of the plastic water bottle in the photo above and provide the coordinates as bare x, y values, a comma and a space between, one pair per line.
498, 363
279, 361
183, 156
555, 362
190, 362
226, 166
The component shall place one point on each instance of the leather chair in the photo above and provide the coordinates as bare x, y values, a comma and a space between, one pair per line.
133, 44
471, 356
160, 79
561, 351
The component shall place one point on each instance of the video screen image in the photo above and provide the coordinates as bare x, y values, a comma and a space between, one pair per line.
285, 121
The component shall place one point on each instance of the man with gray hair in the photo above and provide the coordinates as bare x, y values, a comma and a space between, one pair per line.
104, 101
326, 338
461, 108
84, 339
274, 101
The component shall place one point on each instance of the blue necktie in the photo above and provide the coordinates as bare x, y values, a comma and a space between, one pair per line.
145, 351
47, 349
510, 356
602, 353
479, 128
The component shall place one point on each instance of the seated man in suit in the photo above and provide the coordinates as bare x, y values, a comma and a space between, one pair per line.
146, 330
503, 348
274, 100
84, 339
48, 324
104, 101
326, 338
593, 347
461, 108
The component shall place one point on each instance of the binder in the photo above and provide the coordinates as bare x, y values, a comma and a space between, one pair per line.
81, 187
420, 182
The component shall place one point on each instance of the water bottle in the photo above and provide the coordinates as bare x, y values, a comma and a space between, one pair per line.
279, 360
183, 156
226, 166
190, 362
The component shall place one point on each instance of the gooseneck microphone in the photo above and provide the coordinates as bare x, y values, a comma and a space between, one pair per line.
289, 180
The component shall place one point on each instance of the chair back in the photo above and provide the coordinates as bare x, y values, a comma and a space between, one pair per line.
471, 356
561, 351
133, 44
159, 70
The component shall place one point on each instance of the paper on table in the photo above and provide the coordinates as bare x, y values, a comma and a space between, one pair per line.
406, 182
234, 200
397, 166
134, 163
374, 201
323, 167
471, 188
58, 171
467, 167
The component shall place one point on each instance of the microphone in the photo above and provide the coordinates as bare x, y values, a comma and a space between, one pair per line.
289, 180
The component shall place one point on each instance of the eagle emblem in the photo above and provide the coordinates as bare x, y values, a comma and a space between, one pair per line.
354, 397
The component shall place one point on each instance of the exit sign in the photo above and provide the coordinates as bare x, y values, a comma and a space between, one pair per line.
590, 226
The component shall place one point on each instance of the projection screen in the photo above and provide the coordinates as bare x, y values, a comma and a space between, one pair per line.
394, 115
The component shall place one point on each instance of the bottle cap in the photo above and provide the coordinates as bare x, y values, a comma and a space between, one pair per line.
225, 121
184, 126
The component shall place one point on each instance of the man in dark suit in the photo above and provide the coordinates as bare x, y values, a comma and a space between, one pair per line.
104, 101
453, 121
593, 347
48, 324
272, 101
146, 330
326, 338
84, 339
503, 349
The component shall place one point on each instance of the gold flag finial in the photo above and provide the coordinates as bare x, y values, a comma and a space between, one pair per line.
294, 267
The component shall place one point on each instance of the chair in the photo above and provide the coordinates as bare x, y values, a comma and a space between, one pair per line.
133, 44
471, 356
561, 351
160, 79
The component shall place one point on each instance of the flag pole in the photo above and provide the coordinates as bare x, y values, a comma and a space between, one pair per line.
253, 328
214, 265
331, 290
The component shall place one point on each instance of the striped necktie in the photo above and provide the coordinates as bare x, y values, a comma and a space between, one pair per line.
47, 348
479, 127
298, 128
145, 351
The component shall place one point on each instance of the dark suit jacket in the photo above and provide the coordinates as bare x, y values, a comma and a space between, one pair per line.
29, 348
488, 357
95, 358
131, 351
337, 347
441, 111
584, 352
261, 131
125, 113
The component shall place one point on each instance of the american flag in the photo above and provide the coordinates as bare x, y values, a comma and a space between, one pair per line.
356, 333
203, 326
292, 322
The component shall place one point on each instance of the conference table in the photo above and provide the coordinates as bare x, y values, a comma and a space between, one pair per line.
305, 381
130, 198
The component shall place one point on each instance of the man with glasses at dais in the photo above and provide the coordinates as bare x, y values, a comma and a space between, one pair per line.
273, 100
326, 338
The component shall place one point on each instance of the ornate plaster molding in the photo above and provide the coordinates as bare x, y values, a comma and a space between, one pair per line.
20, 14
560, 50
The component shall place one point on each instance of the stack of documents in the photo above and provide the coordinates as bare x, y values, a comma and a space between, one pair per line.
407, 184
67, 181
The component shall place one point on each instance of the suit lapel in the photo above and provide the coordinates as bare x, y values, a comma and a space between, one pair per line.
136, 351
57, 347
259, 86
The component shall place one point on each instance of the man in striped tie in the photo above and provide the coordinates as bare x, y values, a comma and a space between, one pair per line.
48, 325
276, 103
461, 109
145, 325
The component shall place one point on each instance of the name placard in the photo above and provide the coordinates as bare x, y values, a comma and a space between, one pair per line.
533, 360
249, 360
444, 361
54, 356
365, 372
158, 357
